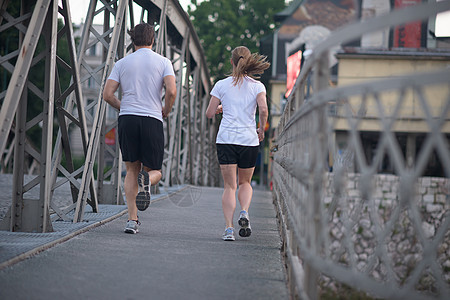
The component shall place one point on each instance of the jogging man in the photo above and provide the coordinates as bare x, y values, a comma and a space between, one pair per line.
142, 76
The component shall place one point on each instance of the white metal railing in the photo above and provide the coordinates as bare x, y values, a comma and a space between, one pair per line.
322, 233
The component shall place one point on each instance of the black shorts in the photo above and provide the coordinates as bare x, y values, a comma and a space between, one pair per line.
142, 139
243, 156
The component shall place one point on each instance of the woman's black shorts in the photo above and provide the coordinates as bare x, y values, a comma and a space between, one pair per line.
243, 156
142, 139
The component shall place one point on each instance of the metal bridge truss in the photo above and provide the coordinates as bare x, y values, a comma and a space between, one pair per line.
189, 136
303, 144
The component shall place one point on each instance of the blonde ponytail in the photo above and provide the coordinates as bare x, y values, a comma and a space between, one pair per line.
247, 64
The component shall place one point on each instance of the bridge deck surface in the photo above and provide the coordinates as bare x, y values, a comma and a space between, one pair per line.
178, 254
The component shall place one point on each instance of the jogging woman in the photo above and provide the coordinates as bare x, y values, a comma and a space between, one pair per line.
238, 138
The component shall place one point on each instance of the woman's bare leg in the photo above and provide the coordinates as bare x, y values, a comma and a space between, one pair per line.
229, 192
245, 192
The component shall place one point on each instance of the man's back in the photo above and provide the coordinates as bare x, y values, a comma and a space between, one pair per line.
141, 77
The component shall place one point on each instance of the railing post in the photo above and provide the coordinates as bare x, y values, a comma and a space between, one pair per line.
318, 158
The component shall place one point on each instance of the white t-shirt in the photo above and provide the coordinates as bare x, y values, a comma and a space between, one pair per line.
141, 77
238, 124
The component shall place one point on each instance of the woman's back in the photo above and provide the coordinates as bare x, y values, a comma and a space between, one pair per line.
238, 124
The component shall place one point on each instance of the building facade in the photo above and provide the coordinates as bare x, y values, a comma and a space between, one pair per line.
405, 49
357, 65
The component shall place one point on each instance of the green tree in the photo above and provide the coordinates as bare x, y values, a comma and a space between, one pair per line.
222, 25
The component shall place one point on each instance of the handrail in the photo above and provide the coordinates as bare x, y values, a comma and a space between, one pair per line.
341, 227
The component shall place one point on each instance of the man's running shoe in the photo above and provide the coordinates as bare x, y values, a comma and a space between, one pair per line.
244, 222
228, 235
143, 196
132, 226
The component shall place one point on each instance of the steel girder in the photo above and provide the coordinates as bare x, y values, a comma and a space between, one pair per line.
30, 214
189, 152
40, 27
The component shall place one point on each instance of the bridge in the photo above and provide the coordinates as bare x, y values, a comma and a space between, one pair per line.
316, 231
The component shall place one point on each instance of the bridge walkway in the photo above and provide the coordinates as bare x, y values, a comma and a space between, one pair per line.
178, 254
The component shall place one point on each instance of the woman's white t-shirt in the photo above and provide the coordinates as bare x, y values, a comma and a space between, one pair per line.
141, 77
238, 124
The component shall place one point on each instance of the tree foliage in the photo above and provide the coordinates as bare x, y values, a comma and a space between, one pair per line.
222, 25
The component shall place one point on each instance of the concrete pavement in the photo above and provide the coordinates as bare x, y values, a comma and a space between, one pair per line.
178, 254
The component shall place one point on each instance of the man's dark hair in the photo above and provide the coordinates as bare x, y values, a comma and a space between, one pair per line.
142, 34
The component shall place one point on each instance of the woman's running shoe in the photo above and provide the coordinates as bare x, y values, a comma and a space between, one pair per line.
244, 222
228, 235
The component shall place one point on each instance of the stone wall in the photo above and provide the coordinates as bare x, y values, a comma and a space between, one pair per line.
356, 227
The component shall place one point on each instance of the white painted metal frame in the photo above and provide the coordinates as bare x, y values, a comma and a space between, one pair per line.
26, 214
300, 164
190, 147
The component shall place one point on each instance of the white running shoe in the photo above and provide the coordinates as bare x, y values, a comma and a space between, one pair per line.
143, 196
244, 222
228, 235
132, 226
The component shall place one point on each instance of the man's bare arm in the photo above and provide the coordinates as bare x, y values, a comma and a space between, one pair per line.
111, 87
171, 94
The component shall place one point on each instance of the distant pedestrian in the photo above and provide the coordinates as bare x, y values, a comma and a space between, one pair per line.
238, 138
142, 76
